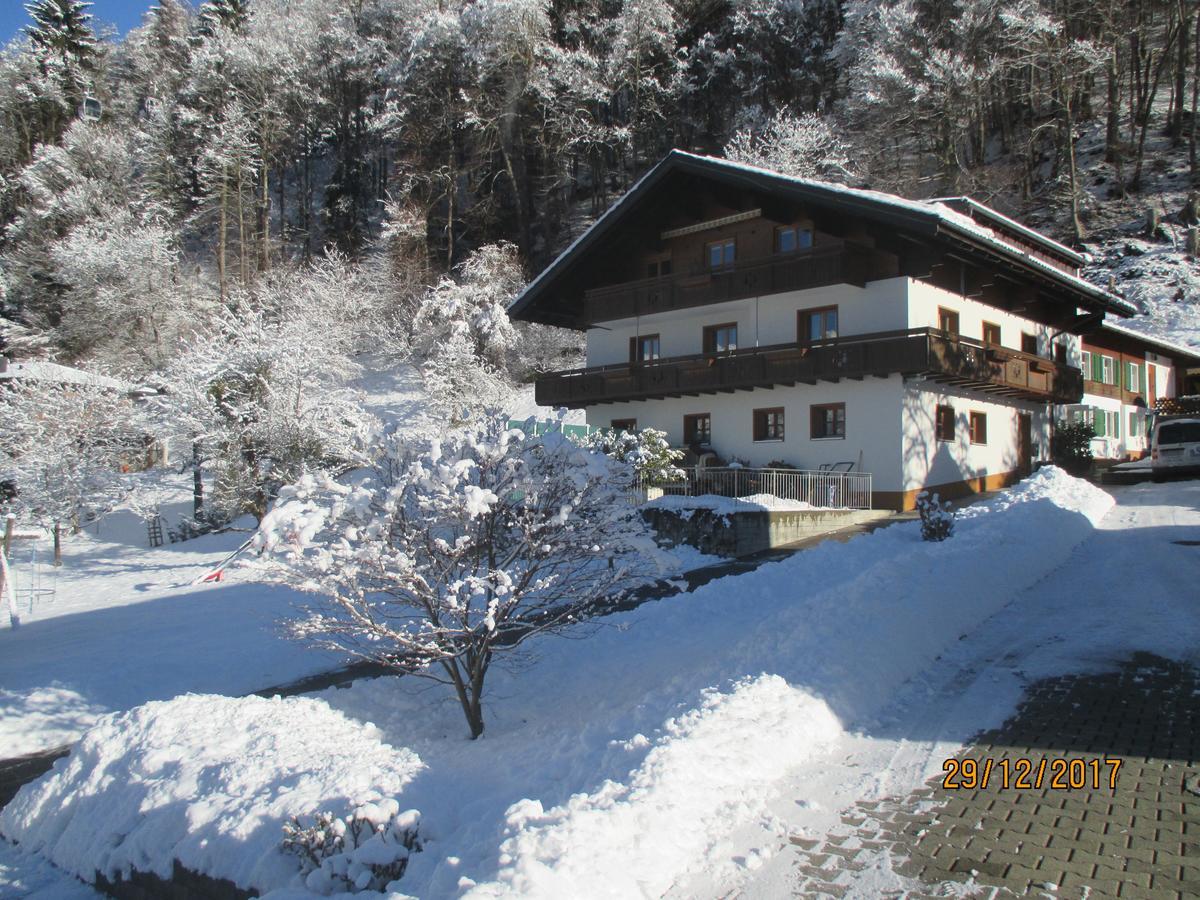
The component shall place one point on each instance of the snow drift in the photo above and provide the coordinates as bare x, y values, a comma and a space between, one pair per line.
612, 766
209, 781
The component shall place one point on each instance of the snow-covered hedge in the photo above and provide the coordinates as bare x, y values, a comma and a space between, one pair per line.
211, 782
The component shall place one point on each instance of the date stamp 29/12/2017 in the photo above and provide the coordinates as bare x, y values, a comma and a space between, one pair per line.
1025, 774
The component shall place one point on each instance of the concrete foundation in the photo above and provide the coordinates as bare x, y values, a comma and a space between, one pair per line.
744, 533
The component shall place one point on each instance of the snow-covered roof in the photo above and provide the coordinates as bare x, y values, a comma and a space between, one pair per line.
40, 370
1153, 340
1013, 225
935, 217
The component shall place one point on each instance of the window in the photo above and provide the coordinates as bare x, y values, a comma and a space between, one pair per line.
1136, 425
947, 320
1029, 343
1112, 425
629, 425
768, 424
1085, 365
828, 421
1133, 377
658, 268
991, 333
720, 254
720, 338
817, 324
1108, 370
790, 238
697, 428
944, 423
644, 348
978, 428
1060, 354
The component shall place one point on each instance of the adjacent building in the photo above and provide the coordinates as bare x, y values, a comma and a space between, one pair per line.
1126, 374
777, 320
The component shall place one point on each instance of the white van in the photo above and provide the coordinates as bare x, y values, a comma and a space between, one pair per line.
1175, 448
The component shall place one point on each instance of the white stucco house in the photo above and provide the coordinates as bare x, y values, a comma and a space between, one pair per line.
782, 320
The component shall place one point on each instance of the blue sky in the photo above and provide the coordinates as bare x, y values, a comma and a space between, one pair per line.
124, 14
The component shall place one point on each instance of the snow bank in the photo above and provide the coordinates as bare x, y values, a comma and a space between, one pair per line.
836, 630
611, 767
724, 506
207, 780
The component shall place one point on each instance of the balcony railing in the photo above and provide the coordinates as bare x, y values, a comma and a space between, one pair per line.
819, 267
935, 354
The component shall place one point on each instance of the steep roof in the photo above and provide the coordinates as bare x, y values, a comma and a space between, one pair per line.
930, 219
1191, 355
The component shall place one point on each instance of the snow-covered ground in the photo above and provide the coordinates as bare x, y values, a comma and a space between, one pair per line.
124, 625
673, 750
1130, 586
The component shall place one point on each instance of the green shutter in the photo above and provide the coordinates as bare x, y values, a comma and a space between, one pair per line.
1117, 425
1098, 422
1097, 367
1125, 377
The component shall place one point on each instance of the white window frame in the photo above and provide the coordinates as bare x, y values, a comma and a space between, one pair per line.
1085, 364
1108, 369
1135, 372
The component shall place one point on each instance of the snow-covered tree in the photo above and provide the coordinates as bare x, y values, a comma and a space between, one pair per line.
442, 562
64, 447
803, 146
263, 394
648, 451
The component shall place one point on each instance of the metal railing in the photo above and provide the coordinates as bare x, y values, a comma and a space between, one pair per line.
825, 489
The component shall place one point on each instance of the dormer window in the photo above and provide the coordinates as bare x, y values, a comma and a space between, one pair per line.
720, 254
790, 238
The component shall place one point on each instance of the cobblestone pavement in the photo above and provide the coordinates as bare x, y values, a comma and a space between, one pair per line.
1141, 839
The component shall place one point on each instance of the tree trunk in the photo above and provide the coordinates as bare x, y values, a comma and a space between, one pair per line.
197, 483
58, 543
1112, 128
222, 236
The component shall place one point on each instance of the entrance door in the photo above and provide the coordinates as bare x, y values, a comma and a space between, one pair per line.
1151, 387
1024, 444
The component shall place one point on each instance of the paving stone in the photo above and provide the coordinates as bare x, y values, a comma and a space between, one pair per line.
1140, 839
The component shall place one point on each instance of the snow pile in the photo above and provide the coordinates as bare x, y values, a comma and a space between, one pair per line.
712, 767
1052, 484
209, 781
725, 506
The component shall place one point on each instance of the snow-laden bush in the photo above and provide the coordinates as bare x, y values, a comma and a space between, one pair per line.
366, 851
937, 519
441, 561
647, 451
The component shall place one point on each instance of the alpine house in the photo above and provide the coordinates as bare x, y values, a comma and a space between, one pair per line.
775, 319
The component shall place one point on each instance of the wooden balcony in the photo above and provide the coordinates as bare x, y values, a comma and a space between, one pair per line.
821, 266
927, 352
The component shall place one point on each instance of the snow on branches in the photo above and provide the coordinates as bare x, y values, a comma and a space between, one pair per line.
648, 451
441, 561
803, 146
64, 446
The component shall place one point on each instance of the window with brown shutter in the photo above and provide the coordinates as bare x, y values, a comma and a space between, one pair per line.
828, 420
768, 424
644, 348
978, 428
944, 423
947, 320
697, 428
